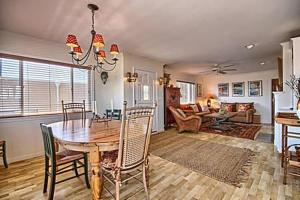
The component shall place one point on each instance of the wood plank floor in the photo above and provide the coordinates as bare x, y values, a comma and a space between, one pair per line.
168, 181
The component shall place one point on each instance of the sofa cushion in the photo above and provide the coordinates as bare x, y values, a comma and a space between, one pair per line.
241, 114
181, 112
229, 107
244, 106
185, 107
202, 113
194, 107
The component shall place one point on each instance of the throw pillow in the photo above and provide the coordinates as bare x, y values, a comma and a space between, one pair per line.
195, 108
243, 107
228, 107
181, 112
205, 108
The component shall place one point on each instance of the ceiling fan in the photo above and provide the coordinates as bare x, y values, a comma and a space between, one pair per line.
220, 69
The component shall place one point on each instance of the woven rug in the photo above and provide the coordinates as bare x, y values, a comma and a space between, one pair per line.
248, 131
221, 162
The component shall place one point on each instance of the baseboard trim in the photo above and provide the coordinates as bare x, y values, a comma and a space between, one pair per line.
23, 157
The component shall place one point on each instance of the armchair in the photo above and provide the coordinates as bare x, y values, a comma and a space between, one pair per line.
190, 123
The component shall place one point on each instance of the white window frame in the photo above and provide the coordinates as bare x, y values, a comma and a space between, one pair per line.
21, 79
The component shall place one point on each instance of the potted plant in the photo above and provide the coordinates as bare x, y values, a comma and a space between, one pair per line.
294, 84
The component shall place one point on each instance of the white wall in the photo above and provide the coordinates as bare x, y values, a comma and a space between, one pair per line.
262, 104
132, 62
112, 91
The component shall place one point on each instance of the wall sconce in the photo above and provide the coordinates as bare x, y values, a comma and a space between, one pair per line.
131, 77
161, 80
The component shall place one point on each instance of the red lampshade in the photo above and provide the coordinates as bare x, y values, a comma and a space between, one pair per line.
101, 54
98, 41
114, 50
72, 41
77, 50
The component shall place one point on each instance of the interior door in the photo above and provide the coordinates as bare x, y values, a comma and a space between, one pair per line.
145, 91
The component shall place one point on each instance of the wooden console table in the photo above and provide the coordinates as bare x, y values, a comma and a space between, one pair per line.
287, 120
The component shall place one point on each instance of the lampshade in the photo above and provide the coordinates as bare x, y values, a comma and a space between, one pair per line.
98, 41
72, 41
101, 54
114, 50
77, 50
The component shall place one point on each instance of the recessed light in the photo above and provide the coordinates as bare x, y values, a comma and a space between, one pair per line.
250, 46
262, 63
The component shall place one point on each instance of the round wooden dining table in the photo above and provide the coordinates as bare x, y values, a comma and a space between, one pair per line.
78, 135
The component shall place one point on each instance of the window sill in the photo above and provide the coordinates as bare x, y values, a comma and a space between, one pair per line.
34, 116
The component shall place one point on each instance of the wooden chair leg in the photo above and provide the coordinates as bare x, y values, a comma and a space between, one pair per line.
118, 183
52, 183
145, 181
46, 175
86, 171
75, 168
4, 156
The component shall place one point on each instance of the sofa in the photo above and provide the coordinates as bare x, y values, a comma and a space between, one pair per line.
195, 109
245, 111
185, 123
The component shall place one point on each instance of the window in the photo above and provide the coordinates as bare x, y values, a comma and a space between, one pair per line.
37, 88
187, 91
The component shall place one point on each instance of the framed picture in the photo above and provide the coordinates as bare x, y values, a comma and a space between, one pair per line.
255, 88
223, 89
199, 90
238, 89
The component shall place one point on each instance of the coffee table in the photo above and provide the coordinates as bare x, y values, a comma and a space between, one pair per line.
219, 119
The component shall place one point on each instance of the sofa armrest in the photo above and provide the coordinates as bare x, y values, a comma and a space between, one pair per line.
249, 115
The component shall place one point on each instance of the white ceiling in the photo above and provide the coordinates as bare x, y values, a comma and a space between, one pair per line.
193, 33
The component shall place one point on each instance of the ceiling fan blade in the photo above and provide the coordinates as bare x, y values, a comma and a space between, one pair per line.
222, 72
227, 70
205, 72
214, 70
231, 65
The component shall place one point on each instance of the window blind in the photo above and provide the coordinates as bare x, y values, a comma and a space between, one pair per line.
37, 88
10, 87
81, 86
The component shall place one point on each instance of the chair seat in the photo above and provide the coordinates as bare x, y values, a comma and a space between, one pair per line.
109, 159
67, 156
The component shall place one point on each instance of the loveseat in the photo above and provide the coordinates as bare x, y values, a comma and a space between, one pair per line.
245, 111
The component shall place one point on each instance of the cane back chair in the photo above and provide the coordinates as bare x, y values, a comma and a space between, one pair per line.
131, 160
3, 152
61, 162
73, 106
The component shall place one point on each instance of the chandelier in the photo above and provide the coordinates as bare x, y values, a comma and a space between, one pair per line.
95, 48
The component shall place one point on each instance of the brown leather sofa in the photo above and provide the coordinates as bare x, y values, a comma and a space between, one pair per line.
186, 123
245, 111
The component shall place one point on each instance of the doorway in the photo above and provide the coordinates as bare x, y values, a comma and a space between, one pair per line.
145, 92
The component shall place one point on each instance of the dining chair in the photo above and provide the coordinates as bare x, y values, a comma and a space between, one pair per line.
61, 162
3, 152
73, 106
132, 155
